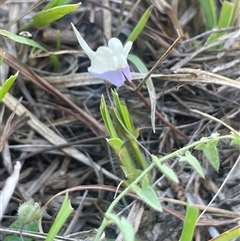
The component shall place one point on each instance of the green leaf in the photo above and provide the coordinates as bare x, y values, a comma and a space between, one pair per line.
189, 223
224, 20
209, 13
140, 25
151, 90
229, 235
145, 182
124, 225
236, 139
55, 3
118, 105
29, 42
225, 15
131, 177
48, 16
165, 169
211, 152
149, 196
107, 119
64, 212
22, 40
116, 144
235, 12
126, 119
125, 159
193, 162
17, 224
7, 85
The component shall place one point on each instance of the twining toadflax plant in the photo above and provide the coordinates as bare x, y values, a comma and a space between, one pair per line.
108, 62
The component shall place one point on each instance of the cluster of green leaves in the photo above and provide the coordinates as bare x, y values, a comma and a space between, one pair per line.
120, 128
227, 17
123, 137
53, 11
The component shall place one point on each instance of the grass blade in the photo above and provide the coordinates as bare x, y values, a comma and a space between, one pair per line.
140, 25
209, 13
151, 90
189, 223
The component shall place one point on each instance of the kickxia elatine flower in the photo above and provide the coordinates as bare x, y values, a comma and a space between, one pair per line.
108, 62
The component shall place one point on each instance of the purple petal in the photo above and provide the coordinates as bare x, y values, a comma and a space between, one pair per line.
116, 77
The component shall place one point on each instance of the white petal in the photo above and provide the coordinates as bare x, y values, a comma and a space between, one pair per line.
98, 65
115, 45
127, 47
104, 57
90, 53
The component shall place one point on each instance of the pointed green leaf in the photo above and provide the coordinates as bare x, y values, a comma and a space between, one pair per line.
209, 12
7, 85
22, 40
189, 223
126, 119
55, 3
165, 169
64, 212
140, 25
211, 152
118, 105
29, 42
224, 20
48, 16
107, 119
229, 235
149, 196
225, 15
116, 144
125, 159
236, 139
124, 225
235, 12
193, 162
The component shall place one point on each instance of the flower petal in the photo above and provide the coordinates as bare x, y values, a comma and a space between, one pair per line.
127, 47
103, 61
115, 77
90, 53
126, 72
115, 45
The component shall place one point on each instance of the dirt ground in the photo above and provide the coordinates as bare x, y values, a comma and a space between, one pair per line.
58, 135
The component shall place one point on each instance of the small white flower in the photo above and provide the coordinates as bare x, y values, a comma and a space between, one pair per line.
108, 63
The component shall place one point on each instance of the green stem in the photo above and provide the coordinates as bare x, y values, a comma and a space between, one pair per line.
140, 158
146, 171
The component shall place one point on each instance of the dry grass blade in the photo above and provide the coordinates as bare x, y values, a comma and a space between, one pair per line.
200, 76
8, 189
6, 129
93, 124
51, 136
